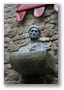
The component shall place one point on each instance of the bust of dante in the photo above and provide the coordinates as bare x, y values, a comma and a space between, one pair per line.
34, 44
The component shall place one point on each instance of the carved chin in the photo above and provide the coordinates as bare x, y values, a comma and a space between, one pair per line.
34, 38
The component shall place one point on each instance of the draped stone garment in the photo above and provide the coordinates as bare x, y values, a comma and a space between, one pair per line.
37, 46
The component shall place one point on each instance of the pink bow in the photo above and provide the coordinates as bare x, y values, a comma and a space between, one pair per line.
38, 10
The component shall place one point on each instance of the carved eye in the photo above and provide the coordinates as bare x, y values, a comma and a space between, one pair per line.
32, 30
36, 31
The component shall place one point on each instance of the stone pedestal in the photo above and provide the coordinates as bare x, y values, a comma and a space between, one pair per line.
40, 62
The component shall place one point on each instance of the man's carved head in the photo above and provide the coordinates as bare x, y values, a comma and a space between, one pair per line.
34, 32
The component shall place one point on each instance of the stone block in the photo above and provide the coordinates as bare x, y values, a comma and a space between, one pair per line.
32, 63
55, 37
48, 32
51, 26
6, 40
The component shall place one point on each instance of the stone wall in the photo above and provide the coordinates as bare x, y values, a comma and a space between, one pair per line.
16, 36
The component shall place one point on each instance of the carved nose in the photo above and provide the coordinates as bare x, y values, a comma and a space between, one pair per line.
34, 34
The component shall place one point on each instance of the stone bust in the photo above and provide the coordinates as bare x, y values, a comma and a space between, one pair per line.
34, 44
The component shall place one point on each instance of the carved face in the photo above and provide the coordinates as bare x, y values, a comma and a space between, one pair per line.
34, 33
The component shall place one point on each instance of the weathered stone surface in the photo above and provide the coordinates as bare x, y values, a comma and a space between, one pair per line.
21, 42
44, 39
54, 16
7, 82
51, 26
6, 72
20, 37
6, 61
7, 66
13, 47
20, 30
53, 22
17, 37
7, 28
55, 42
11, 15
55, 50
25, 35
56, 58
6, 45
9, 9
12, 76
11, 33
26, 28
56, 26
30, 22
47, 19
51, 52
30, 16
49, 43
55, 37
48, 12
32, 62
48, 32
55, 31
13, 20
6, 40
